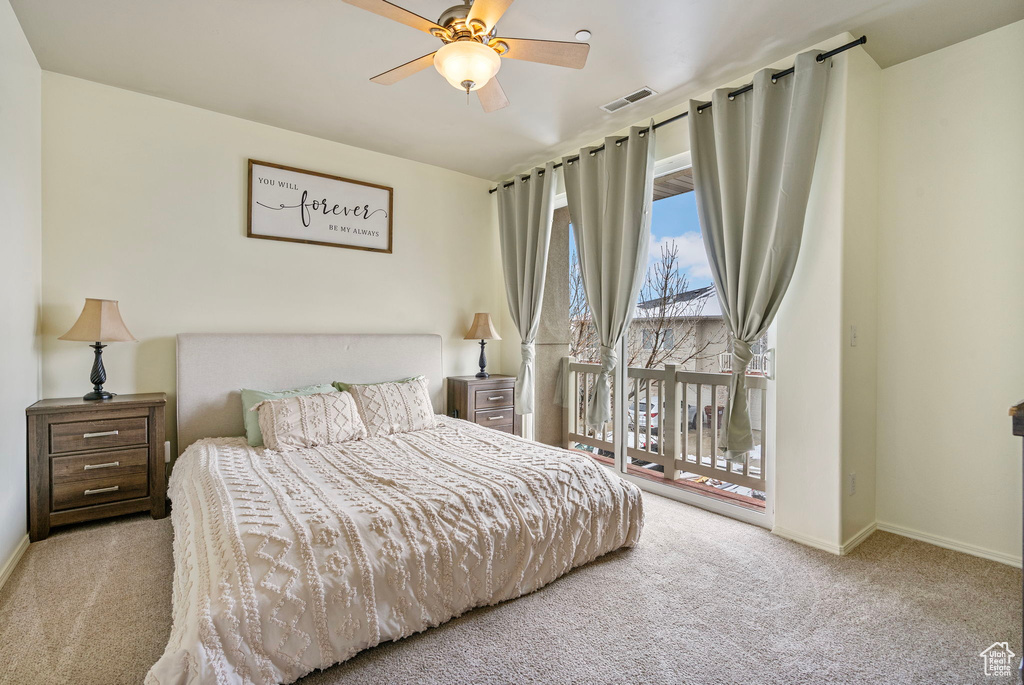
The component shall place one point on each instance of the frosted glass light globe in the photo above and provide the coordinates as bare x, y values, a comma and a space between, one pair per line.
467, 60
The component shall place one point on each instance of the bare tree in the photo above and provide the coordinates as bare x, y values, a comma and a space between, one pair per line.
665, 332
584, 345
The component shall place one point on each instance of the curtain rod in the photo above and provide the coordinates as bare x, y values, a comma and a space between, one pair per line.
739, 91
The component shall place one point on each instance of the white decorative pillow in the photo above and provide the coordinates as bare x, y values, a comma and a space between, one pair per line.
290, 423
398, 407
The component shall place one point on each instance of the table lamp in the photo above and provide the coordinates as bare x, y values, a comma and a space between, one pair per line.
99, 322
482, 330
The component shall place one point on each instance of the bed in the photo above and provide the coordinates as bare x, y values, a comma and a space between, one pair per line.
287, 562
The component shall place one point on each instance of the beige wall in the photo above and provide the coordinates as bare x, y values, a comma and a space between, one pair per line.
951, 277
807, 387
20, 229
145, 203
859, 295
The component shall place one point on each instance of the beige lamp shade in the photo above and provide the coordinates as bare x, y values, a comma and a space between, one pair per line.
100, 321
482, 328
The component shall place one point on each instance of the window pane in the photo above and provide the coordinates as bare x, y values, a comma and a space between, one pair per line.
677, 321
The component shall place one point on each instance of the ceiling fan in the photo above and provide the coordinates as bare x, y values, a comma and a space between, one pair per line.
472, 51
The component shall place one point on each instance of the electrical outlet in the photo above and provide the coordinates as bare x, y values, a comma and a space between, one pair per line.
853, 484
853, 336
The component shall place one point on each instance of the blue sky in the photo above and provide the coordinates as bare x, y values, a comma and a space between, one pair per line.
674, 220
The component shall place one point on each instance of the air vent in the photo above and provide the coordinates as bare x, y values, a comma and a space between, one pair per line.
628, 100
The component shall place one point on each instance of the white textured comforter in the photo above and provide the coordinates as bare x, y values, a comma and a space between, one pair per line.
286, 562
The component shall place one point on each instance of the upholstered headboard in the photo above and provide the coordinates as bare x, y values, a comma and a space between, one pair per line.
214, 367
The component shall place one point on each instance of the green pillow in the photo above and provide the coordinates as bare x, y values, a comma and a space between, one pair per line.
343, 387
250, 398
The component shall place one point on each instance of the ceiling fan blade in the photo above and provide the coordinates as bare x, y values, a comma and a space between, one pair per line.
559, 53
396, 13
492, 97
408, 69
488, 12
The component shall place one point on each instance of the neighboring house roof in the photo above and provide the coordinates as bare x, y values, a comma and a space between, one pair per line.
685, 296
699, 303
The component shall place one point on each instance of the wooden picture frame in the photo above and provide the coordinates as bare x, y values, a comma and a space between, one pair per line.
301, 206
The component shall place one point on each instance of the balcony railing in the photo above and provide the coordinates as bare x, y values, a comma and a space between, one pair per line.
758, 364
674, 420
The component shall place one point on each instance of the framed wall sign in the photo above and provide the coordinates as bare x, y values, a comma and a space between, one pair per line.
308, 207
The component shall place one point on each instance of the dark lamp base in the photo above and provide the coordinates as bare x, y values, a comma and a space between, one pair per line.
483, 362
98, 376
99, 395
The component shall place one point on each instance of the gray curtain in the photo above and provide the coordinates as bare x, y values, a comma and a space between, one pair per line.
753, 159
609, 193
524, 224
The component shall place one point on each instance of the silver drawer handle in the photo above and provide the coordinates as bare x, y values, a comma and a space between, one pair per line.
495, 418
98, 435
112, 488
102, 466
499, 397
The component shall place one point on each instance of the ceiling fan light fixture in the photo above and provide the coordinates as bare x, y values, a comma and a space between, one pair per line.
467, 62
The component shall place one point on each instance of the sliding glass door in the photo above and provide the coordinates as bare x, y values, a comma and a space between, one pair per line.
671, 387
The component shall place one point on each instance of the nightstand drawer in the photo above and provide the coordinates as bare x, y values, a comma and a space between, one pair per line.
78, 436
494, 418
99, 490
87, 467
486, 399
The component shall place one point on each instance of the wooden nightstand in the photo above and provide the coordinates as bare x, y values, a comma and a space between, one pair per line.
91, 460
487, 401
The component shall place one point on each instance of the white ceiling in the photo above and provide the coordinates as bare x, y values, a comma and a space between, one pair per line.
304, 65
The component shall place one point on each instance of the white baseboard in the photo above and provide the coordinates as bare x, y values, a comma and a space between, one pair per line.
947, 543
12, 561
807, 540
865, 533
860, 537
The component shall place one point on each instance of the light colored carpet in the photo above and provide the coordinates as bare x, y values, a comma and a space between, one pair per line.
703, 599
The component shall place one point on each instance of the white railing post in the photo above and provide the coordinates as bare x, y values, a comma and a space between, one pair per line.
669, 426
569, 400
620, 408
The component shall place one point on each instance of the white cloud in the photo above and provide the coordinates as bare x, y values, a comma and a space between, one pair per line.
692, 258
